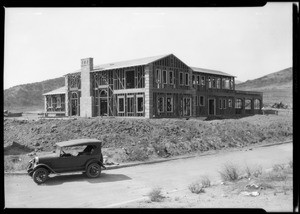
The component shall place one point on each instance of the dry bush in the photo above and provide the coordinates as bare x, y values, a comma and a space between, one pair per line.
253, 171
276, 176
291, 164
196, 187
16, 163
205, 182
156, 195
229, 172
278, 167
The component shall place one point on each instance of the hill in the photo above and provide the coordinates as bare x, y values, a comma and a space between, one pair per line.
276, 87
30, 96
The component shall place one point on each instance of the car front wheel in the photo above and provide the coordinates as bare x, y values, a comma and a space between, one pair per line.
40, 175
93, 170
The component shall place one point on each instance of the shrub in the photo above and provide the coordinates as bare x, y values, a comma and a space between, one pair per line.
276, 176
253, 171
229, 172
278, 167
205, 182
291, 164
156, 195
196, 188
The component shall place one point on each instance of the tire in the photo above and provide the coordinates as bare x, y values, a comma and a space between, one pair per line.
40, 175
93, 170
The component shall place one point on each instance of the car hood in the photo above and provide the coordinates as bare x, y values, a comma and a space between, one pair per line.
47, 157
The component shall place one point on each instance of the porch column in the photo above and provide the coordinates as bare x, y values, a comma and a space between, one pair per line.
148, 91
67, 96
45, 106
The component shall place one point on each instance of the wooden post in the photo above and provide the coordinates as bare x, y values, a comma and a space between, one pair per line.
148, 104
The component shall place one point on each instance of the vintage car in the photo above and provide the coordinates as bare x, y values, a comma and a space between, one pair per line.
81, 155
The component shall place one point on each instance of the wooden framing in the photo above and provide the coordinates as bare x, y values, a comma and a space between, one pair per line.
166, 87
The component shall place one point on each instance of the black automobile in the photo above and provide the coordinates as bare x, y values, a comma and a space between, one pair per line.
81, 155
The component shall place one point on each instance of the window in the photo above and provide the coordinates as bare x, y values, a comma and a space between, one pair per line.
169, 104
49, 101
203, 80
256, 104
201, 101
238, 103
130, 103
164, 76
231, 83
248, 104
218, 82
193, 79
220, 103
140, 103
171, 77
158, 76
54, 102
181, 78
198, 80
230, 103
226, 84
209, 82
186, 79
129, 79
121, 104
58, 102
224, 103
213, 82
160, 104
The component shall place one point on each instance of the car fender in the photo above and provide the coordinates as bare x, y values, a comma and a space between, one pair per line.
45, 166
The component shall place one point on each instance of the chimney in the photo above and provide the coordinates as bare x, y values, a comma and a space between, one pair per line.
86, 99
87, 63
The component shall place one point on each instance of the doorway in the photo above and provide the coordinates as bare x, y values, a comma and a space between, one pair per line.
187, 106
103, 103
74, 104
211, 106
103, 106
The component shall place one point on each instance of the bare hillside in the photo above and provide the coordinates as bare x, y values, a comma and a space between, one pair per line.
30, 96
276, 87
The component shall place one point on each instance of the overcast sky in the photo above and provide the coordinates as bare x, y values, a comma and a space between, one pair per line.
45, 43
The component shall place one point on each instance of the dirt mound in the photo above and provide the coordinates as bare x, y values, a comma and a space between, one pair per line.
141, 139
16, 149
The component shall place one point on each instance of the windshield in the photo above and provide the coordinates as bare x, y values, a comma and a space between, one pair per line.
57, 151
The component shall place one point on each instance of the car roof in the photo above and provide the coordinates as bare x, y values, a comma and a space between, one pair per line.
78, 142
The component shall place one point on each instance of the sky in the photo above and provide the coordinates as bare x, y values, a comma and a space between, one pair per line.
46, 43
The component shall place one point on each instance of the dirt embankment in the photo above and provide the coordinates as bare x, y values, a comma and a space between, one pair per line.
141, 139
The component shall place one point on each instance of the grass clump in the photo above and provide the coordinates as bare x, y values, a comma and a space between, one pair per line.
196, 187
16, 163
156, 195
205, 182
229, 172
253, 171
278, 167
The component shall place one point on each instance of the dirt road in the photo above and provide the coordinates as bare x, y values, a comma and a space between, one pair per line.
120, 186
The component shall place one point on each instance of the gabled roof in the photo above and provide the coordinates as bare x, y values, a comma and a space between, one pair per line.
208, 71
61, 90
78, 142
129, 63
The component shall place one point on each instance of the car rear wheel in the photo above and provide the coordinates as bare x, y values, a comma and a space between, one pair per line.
40, 175
93, 170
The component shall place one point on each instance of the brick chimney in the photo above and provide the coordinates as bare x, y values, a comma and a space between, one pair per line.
86, 99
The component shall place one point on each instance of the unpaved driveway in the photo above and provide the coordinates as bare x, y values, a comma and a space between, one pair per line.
118, 186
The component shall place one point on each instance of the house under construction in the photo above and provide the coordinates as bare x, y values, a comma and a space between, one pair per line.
152, 87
